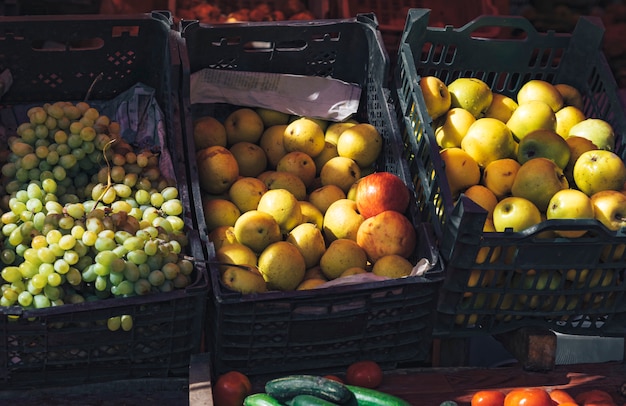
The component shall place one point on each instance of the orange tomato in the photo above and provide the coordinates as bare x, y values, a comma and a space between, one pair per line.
488, 398
231, 388
560, 397
595, 397
366, 374
528, 397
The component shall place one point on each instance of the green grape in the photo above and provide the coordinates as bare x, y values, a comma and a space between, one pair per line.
53, 157
57, 250
94, 224
20, 249
39, 220
151, 247
41, 301
167, 286
51, 123
114, 323
67, 161
89, 238
185, 266
34, 205
12, 186
22, 175
144, 270
9, 218
7, 229
16, 206
33, 191
46, 255
41, 152
29, 161
163, 223
21, 196
54, 280
53, 207
39, 281
25, 299
131, 271
45, 170
169, 193
142, 197
107, 232
9, 169
133, 243
89, 147
74, 141
104, 244
7, 256
73, 256
181, 281
59, 172
120, 251
122, 191
89, 274
39, 241
109, 196
127, 322
142, 287
175, 222
87, 134
10, 295
67, 242
101, 270
115, 278
41, 131
170, 270
53, 236
73, 277
136, 212
80, 249
120, 206
101, 283
46, 269
156, 277
66, 222
32, 288
150, 213
117, 174
16, 237
77, 231
11, 274
125, 288
26, 215
137, 256
61, 266
105, 258
130, 179
155, 261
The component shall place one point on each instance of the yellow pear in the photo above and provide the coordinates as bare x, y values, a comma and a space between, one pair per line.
217, 169
355, 270
577, 146
530, 116
300, 164
537, 89
257, 230
272, 117
304, 134
362, 143
501, 107
282, 266
488, 139
284, 180
340, 255
243, 124
342, 220
219, 212
311, 214
272, 143
307, 284
462, 171
392, 266
329, 151
243, 280
283, 206
324, 196
451, 132
207, 132
251, 158
246, 192
340, 171
221, 236
310, 242
334, 130
236, 253
484, 252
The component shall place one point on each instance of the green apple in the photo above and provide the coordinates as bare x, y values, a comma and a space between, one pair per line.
597, 131
501, 107
515, 213
537, 89
342, 220
272, 117
610, 208
471, 94
538, 180
598, 170
571, 95
257, 230
451, 132
436, 96
570, 204
243, 280
530, 116
243, 124
546, 144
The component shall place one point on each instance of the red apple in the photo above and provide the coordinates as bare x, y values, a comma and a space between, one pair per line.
381, 191
386, 233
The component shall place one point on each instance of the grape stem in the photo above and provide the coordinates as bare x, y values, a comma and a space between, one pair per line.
96, 80
109, 183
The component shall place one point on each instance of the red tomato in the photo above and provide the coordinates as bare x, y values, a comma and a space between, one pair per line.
528, 397
561, 397
488, 398
334, 378
366, 374
231, 389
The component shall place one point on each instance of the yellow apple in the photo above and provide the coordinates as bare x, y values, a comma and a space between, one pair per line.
461, 170
217, 169
304, 134
388, 232
207, 132
538, 180
598, 131
340, 255
311, 214
515, 213
334, 130
251, 158
501, 107
329, 151
236, 253
243, 124
436, 96
342, 220
246, 192
451, 132
283, 206
482, 196
577, 145
300, 164
257, 230
361, 143
243, 280
324, 196
566, 118
319, 121
219, 212
498, 176
488, 139
571, 95
392, 266
272, 143
284, 180
546, 144
340, 171
484, 252
310, 242
471, 94
536, 89
598, 170
282, 266
272, 117
530, 116
570, 204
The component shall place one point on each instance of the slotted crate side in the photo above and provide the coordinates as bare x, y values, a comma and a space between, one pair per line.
58, 59
570, 285
278, 332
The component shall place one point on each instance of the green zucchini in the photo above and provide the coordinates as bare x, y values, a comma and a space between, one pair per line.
309, 400
372, 397
288, 387
261, 399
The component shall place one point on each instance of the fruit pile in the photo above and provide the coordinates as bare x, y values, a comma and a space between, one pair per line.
527, 159
294, 202
85, 215
212, 12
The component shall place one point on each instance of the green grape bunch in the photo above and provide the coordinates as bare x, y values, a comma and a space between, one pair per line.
85, 216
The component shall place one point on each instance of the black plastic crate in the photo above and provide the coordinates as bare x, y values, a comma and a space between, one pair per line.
96, 58
325, 329
563, 284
